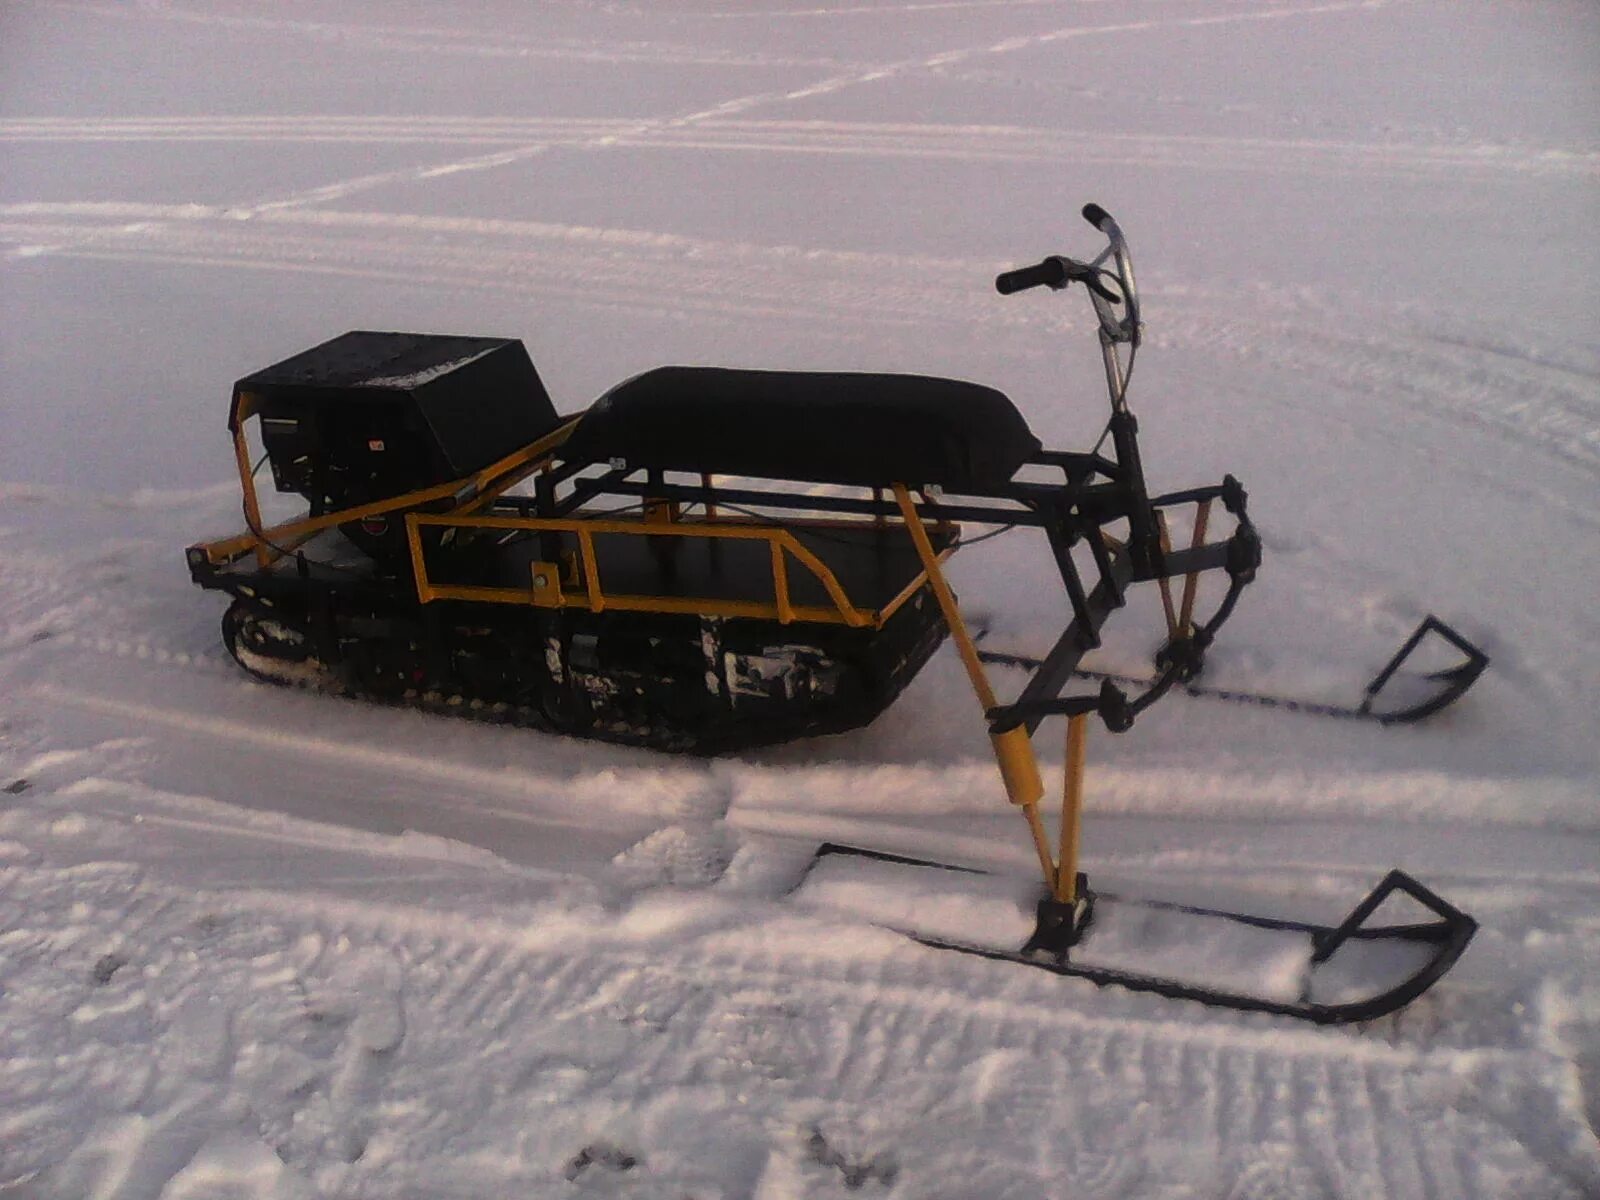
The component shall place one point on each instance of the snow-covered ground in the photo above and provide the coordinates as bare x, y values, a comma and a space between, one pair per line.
256, 943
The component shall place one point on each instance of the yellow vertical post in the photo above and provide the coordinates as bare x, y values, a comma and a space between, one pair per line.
1162, 582
1072, 808
591, 570
1191, 582
1013, 750
419, 565
780, 583
252, 505
947, 601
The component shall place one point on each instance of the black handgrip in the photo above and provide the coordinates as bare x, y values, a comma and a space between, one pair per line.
1051, 272
1096, 216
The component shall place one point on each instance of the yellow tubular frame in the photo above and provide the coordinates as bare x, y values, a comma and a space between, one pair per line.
1192, 581
1013, 749
481, 487
593, 597
485, 486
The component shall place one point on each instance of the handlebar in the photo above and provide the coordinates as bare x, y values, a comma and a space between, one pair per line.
1098, 217
1109, 278
1051, 272
1112, 293
1055, 272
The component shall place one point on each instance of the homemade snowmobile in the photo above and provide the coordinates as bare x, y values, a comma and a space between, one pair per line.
712, 559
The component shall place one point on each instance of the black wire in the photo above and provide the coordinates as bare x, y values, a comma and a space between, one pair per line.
1104, 434
612, 512
521, 535
984, 537
823, 537
300, 555
810, 531
297, 555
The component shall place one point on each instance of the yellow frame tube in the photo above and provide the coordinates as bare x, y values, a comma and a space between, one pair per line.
1013, 750
526, 460
1191, 581
853, 616
911, 589
821, 569
591, 570
425, 591
252, 503
780, 584
1163, 583
782, 541
685, 605
1066, 889
947, 601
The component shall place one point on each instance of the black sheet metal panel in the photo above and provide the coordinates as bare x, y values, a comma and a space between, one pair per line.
873, 564
477, 399
824, 427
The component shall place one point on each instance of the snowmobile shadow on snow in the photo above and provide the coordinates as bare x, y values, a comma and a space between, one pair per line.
709, 560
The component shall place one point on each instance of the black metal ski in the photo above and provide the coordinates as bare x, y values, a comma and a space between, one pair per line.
1452, 682
1449, 936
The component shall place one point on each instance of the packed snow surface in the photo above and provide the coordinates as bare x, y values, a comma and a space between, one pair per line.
264, 943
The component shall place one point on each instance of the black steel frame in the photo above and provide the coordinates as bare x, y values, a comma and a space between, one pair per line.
1095, 492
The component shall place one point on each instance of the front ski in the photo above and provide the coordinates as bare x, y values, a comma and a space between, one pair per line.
1329, 974
1429, 693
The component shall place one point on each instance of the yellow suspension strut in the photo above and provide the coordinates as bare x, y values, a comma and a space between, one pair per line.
1180, 621
1013, 749
1066, 889
1192, 581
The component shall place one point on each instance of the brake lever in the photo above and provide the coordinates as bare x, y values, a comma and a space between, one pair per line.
1090, 278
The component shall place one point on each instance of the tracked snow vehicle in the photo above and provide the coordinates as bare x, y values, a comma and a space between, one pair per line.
704, 560
711, 559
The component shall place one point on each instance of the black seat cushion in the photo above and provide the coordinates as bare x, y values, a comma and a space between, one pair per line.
824, 427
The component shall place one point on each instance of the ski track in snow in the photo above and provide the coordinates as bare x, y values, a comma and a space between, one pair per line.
435, 40
830, 85
638, 1040
961, 143
203, 998
1454, 376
